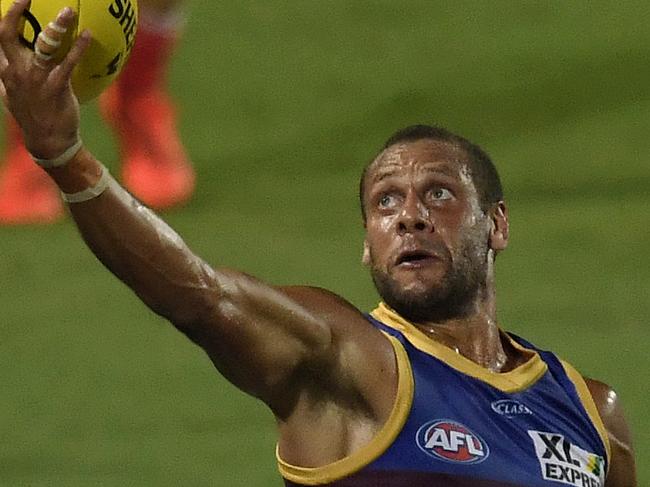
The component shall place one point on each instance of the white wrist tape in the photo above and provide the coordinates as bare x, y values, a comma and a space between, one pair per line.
62, 159
89, 193
48, 40
57, 28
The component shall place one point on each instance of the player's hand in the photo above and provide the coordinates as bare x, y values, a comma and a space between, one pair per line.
36, 89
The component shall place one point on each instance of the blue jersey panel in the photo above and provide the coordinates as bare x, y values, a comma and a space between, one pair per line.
469, 427
462, 426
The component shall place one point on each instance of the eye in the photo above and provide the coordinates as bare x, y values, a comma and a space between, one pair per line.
387, 200
440, 194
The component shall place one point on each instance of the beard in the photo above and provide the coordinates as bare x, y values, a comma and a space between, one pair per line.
453, 296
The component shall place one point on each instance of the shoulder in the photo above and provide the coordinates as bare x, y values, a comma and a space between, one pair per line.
358, 348
343, 318
358, 378
622, 466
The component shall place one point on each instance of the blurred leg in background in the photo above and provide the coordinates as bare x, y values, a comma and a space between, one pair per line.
155, 166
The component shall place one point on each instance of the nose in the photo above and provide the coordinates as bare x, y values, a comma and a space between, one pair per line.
414, 216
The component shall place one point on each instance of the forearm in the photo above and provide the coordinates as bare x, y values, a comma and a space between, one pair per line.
137, 246
246, 326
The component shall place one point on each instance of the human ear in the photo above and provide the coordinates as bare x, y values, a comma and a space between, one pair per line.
500, 230
365, 257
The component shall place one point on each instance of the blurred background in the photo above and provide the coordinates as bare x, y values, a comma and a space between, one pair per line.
282, 103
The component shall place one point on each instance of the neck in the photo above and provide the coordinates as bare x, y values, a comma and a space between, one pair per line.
477, 338
475, 334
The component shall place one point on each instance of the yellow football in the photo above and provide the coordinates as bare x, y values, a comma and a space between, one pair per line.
112, 23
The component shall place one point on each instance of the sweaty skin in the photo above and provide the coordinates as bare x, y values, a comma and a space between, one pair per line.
328, 376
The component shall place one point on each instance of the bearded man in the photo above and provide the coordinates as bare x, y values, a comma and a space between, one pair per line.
426, 390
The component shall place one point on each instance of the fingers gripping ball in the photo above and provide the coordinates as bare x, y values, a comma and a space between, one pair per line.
112, 24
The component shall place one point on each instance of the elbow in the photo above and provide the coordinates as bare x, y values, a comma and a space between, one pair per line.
206, 308
190, 306
195, 313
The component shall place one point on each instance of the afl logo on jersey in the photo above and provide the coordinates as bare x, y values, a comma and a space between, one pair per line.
451, 442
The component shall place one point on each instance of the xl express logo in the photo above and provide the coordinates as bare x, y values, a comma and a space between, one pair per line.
564, 462
451, 442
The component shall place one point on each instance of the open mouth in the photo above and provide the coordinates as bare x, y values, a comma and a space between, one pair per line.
415, 258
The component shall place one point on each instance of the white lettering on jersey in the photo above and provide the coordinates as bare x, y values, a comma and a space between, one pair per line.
564, 462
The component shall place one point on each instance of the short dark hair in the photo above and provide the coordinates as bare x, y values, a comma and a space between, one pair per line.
483, 171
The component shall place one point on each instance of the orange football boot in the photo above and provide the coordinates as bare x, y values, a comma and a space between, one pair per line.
27, 194
155, 165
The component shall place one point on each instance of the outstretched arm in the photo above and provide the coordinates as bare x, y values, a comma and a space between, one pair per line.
622, 470
247, 327
256, 334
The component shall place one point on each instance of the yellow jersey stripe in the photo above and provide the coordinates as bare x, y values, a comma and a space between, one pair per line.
515, 380
589, 405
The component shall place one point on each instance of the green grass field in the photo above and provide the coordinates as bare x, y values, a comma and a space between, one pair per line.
282, 104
